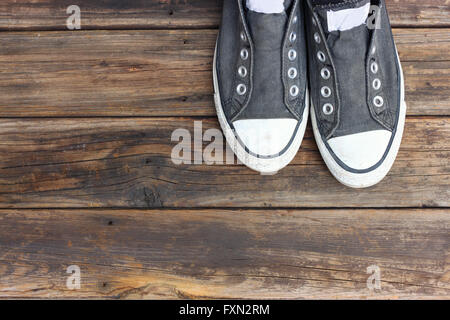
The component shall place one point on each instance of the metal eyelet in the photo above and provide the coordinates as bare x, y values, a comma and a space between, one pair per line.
292, 73
325, 73
242, 71
376, 84
325, 91
292, 37
295, 19
244, 54
378, 101
243, 36
292, 54
317, 37
374, 67
294, 91
328, 109
321, 56
241, 89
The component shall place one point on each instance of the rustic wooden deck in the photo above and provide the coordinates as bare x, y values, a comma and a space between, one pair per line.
86, 178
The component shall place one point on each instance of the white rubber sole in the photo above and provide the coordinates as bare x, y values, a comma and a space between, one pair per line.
262, 165
369, 179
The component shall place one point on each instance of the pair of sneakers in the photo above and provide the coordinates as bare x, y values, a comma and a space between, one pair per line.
333, 59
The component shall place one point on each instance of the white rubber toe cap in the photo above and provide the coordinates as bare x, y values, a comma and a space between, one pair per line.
265, 137
363, 150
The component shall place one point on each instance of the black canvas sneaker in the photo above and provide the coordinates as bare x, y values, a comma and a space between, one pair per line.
260, 84
357, 88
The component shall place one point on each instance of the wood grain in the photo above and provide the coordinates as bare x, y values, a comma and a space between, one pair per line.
75, 137
139, 14
225, 254
165, 73
127, 163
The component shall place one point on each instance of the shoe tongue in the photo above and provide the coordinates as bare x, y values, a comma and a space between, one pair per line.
267, 30
341, 15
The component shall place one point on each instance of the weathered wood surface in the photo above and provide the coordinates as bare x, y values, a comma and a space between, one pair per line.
165, 73
138, 14
127, 162
225, 254
92, 146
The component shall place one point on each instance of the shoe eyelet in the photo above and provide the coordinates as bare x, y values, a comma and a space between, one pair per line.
243, 36
374, 67
294, 91
317, 37
378, 101
376, 84
244, 54
292, 73
325, 92
328, 109
242, 71
292, 37
321, 56
325, 73
241, 89
292, 54
295, 19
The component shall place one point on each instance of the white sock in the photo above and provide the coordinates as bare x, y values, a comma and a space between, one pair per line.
347, 19
266, 6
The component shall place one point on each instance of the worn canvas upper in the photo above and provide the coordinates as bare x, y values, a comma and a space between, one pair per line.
349, 56
356, 87
267, 41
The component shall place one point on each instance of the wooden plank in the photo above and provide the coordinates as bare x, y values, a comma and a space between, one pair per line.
165, 73
318, 254
96, 162
111, 14
138, 14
